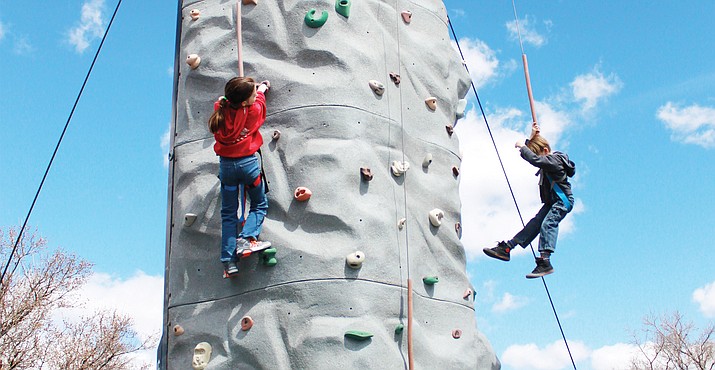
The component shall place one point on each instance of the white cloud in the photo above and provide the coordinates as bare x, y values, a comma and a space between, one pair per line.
2, 31
509, 302
705, 297
22, 46
591, 88
91, 25
528, 32
552, 357
481, 60
615, 357
165, 145
139, 297
693, 124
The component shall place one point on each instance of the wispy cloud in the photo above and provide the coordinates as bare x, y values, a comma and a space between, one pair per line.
529, 34
22, 46
692, 124
705, 298
481, 60
552, 357
591, 88
91, 25
509, 302
2, 31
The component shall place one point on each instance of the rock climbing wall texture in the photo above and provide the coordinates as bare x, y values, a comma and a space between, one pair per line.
338, 111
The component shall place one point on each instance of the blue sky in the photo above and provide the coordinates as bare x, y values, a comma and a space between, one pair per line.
625, 88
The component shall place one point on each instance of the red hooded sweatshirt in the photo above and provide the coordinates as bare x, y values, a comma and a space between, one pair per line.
240, 136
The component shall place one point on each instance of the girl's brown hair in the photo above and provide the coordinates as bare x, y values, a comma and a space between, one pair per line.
538, 144
236, 91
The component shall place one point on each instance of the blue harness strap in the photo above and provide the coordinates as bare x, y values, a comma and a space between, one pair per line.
559, 192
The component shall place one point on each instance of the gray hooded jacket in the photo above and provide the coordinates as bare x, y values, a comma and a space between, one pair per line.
557, 166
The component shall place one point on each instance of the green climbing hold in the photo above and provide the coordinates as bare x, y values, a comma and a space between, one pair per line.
430, 280
343, 7
314, 22
399, 329
268, 257
358, 335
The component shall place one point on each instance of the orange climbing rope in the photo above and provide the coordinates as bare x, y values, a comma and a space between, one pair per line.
239, 38
526, 67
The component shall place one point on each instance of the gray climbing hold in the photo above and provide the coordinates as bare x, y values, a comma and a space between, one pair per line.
355, 259
435, 217
398, 168
377, 87
430, 280
427, 161
401, 223
189, 219
343, 7
358, 335
312, 21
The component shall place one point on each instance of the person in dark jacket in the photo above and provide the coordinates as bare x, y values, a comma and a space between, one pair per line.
555, 191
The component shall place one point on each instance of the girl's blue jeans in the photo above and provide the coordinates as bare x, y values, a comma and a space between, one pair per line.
545, 224
234, 172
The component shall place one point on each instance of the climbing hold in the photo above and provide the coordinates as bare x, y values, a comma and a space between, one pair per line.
461, 106
467, 294
366, 173
314, 22
202, 355
401, 223
355, 260
455, 171
189, 219
246, 2
430, 280
450, 130
377, 87
178, 330
435, 217
302, 194
268, 257
195, 13
398, 168
343, 7
246, 323
193, 60
431, 102
399, 329
458, 229
395, 78
456, 333
427, 161
407, 16
276, 135
358, 335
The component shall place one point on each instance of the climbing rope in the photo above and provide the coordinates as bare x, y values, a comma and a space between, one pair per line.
511, 190
57, 147
239, 39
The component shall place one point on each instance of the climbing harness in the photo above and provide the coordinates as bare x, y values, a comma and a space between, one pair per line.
501, 163
57, 147
559, 192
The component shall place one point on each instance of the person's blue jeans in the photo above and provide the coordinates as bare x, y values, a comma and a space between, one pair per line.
545, 224
234, 172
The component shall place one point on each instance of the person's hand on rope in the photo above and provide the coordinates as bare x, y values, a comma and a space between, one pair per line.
534, 130
265, 83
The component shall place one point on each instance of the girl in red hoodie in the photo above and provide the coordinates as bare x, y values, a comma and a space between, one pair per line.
235, 122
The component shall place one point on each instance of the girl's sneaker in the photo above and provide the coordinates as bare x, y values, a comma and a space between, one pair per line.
230, 268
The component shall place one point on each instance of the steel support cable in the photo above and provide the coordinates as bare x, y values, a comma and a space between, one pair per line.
57, 147
511, 190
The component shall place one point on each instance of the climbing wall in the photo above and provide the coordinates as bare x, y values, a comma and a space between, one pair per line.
338, 110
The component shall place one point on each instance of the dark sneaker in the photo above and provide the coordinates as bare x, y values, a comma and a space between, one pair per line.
241, 245
543, 268
500, 252
230, 268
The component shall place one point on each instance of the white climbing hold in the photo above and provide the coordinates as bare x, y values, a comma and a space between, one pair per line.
461, 106
193, 60
276, 134
355, 260
202, 355
407, 16
431, 102
195, 14
189, 219
398, 168
401, 223
427, 161
377, 87
435, 217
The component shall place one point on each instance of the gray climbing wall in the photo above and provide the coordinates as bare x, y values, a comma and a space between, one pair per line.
332, 124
